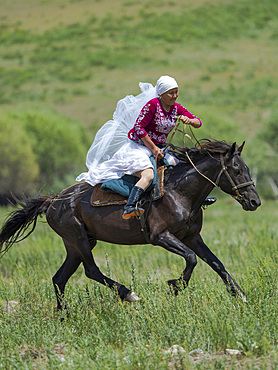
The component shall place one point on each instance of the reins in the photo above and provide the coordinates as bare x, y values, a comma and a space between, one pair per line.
183, 140
224, 169
200, 173
184, 134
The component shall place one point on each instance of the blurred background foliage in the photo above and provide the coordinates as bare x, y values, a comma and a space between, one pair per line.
64, 64
39, 148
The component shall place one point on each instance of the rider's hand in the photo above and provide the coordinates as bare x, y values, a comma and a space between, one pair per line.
185, 120
194, 122
158, 153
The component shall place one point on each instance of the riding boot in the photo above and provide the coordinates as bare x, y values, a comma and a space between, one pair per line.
130, 209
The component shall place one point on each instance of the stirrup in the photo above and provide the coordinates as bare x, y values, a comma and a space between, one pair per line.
208, 201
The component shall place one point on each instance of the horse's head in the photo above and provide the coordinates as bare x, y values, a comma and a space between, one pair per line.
235, 179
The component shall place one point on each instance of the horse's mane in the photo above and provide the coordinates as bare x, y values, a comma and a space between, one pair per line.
215, 146
205, 147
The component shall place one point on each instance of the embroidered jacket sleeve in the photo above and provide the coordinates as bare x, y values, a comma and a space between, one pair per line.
185, 112
144, 119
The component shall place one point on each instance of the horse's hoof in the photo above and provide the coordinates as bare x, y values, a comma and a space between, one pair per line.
244, 298
173, 290
131, 297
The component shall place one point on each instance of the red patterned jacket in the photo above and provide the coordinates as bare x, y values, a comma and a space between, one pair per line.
154, 121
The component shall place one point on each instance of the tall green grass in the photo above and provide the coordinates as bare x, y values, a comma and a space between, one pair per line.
101, 332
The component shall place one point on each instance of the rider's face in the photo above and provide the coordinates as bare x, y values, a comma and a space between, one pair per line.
170, 96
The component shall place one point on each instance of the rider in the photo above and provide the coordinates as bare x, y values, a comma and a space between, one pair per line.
155, 121
117, 151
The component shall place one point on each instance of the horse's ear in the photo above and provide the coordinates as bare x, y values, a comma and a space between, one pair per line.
231, 150
241, 147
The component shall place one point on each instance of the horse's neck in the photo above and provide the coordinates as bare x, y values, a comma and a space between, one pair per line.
195, 186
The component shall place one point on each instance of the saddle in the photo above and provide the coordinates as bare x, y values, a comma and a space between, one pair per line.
101, 197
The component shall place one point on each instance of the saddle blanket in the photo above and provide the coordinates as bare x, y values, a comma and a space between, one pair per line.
101, 197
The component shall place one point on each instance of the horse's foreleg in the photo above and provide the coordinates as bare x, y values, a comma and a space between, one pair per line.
202, 251
174, 245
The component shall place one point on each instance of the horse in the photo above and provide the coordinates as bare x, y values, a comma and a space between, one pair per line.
173, 222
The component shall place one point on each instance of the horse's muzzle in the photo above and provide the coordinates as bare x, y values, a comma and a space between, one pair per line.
250, 202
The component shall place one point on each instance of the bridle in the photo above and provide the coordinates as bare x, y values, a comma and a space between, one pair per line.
224, 170
235, 187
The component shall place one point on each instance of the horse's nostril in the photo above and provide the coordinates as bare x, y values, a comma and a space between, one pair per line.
254, 203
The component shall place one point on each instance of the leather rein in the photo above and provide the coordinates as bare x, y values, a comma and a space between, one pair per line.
224, 170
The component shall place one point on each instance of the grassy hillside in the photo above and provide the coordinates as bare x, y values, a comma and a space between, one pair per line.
81, 57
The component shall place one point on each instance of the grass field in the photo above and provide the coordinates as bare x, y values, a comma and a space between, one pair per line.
101, 332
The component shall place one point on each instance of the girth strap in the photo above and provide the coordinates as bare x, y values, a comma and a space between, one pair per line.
143, 220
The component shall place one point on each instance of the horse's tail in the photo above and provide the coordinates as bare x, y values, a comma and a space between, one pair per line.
18, 221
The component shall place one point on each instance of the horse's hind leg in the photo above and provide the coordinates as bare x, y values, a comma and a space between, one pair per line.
79, 239
202, 251
93, 272
67, 269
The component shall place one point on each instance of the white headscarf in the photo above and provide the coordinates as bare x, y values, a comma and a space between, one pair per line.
164, 84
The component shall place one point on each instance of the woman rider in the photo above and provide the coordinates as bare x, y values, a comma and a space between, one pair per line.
117, 151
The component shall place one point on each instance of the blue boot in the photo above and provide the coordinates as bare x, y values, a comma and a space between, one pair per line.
130, 209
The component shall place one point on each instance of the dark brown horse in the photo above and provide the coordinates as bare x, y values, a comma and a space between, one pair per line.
174, 222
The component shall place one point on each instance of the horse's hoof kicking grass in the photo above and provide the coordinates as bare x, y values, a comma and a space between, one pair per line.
131, 297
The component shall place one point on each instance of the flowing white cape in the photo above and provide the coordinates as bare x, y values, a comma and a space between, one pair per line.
113, 134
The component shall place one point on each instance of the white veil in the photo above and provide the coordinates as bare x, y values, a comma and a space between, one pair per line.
113, 134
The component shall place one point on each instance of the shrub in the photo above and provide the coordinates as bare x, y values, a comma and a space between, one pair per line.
19, 171
265, 154
58, 143
270, 131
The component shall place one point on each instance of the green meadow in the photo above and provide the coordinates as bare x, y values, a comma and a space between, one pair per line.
103, 333
64, 64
